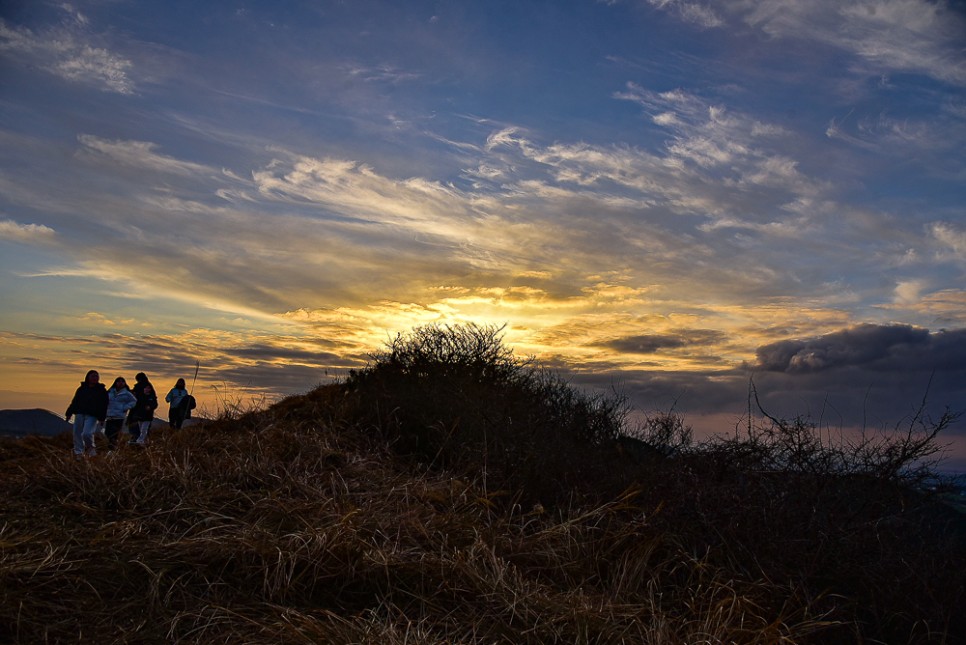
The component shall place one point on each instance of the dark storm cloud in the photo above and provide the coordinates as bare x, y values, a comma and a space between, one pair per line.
870, 347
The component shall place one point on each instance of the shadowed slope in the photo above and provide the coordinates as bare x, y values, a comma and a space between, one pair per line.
312, 522
281, 528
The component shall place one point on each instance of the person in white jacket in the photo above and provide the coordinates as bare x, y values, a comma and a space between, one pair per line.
120, 399
178, 410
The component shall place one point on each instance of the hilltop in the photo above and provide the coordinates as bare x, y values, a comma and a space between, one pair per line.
449, 493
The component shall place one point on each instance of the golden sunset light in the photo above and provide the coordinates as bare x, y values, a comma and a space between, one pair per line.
673, 202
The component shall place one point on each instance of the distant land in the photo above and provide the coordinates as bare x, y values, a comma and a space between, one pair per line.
21, 423
36, 421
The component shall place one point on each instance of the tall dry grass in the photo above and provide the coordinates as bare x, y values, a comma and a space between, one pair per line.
292, 533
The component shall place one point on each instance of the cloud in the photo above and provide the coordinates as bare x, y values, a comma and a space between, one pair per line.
708, 136
880, 347
354, 189
917, 36
288, 355
724, 211
30, 233
699, 14
100, 320
309, 232
868, 376
931, 138
945, 308
909, 291
241, 362
654, 343
578, 236
142, 155
384, 73
67, 51
951, 238
865, 376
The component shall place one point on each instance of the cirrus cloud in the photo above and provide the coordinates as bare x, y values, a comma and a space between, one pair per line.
68, 51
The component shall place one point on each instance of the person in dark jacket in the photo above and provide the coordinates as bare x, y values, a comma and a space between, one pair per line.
142, 414
89, 408
178, 398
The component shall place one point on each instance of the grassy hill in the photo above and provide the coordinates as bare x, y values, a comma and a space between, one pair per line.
450, 493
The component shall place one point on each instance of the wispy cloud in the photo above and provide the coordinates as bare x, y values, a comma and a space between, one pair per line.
69, 50
713, 214
140, 154
952, 240
356, 190
918, 36
699, 14
384, 73
933, 139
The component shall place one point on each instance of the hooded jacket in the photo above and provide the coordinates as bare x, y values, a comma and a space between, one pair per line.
90, 400
176, 396
147, 402
119, 402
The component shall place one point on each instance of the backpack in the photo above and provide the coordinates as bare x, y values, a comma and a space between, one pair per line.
188, 404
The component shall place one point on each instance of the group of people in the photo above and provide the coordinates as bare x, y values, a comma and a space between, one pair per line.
95, 407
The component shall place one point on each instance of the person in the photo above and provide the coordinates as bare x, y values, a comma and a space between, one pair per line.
89, 408
178, 398
119, 401
142, 414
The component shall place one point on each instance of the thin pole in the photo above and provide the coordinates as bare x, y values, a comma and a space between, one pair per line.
197, 367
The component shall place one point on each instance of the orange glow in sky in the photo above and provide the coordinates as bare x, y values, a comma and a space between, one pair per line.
670, 198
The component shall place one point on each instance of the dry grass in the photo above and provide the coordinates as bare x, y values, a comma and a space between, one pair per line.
291, 532
296, 533
303, 523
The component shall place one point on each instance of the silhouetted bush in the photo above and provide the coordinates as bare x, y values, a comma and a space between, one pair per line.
456, 397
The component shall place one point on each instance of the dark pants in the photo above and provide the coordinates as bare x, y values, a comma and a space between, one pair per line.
132, 428
176, 417
112, 428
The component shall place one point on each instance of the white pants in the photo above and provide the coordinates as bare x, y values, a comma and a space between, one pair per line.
143, 428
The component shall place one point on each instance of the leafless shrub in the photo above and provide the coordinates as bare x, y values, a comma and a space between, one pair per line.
666, 432
800, 445
456, 397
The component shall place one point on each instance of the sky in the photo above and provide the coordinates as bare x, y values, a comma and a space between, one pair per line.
670, 199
